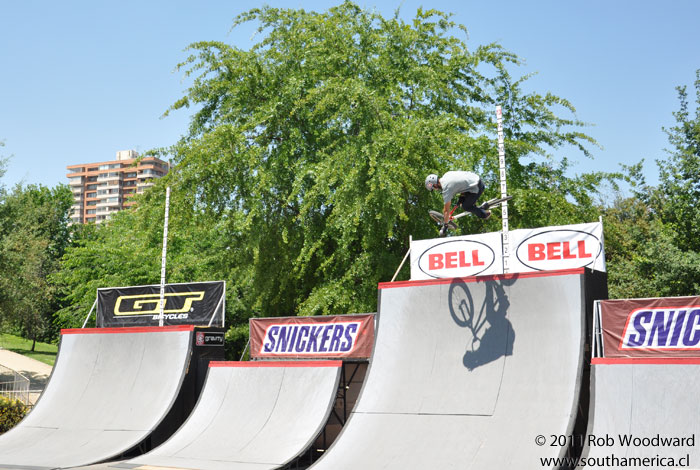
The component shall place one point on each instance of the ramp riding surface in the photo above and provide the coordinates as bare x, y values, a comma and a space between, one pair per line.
467, 373
644, 401
109, 390
251, 415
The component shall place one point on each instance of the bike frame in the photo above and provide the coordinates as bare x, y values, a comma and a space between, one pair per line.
454, 208
490, 202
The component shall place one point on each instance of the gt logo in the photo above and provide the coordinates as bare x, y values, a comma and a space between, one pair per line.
149, 304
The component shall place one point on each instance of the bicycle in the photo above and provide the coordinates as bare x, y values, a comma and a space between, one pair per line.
440, 219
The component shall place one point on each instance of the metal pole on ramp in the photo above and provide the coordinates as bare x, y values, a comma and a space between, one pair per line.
410, 240
504, 191
163, 257
89, 313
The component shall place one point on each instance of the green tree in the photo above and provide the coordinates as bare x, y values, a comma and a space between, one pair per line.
33, 236
3, 169
301, 176
127, 251
644, 259
680, 174
652, 237
314, 145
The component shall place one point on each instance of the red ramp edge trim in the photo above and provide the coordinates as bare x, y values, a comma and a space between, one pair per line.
275, 363
141, 329
645, 360
492, 277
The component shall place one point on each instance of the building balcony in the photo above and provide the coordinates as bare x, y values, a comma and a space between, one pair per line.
111, 185
106, 210
105, 196
148, 173
109, 177
103, 217
106, 203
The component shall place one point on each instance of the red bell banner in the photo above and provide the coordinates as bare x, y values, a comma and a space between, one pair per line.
555, 248
529, 250
657, 327
341, 336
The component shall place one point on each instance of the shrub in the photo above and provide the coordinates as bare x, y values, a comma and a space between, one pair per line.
11, 413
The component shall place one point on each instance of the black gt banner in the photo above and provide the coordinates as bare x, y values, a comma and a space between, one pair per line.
184, 304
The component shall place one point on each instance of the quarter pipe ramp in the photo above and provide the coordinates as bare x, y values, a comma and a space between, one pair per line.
643, 409
110, 388
467, 373
251, 415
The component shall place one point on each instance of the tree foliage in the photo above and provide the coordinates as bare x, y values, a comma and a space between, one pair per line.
301, 177
312, 146
33, 237
652, 237
680, 174
127, 251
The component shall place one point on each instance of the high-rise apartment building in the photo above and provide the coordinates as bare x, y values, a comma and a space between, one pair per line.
100, 189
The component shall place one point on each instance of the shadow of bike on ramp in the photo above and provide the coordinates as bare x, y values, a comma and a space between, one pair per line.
491, 333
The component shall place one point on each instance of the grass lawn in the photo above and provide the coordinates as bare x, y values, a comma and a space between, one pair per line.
43, 352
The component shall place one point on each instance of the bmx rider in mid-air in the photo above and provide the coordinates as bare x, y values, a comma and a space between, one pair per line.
467, 184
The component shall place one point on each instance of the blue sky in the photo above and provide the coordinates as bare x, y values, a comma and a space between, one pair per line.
80, 80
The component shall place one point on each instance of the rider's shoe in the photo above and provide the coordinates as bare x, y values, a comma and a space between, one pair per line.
488, 214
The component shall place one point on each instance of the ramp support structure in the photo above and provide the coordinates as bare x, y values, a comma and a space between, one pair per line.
410, 240
89, 313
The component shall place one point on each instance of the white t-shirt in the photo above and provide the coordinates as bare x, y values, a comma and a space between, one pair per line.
456, 182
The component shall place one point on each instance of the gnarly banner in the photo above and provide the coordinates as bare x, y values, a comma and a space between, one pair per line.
342, 336
184, 304
646, 328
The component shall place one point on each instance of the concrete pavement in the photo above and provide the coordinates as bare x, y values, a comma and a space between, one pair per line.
36, 371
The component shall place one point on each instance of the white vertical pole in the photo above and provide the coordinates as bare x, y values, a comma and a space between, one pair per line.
163, 257
410, 239
89, 313
504, 191
602, 242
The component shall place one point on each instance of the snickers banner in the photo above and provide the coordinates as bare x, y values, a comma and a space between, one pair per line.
529, 250
184, 304
341, 336
644, 328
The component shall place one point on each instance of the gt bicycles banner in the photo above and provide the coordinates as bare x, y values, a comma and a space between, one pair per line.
651, 328
185, 304
542, 249
341, 336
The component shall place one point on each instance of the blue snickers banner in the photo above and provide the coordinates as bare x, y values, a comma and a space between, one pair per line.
341, 336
